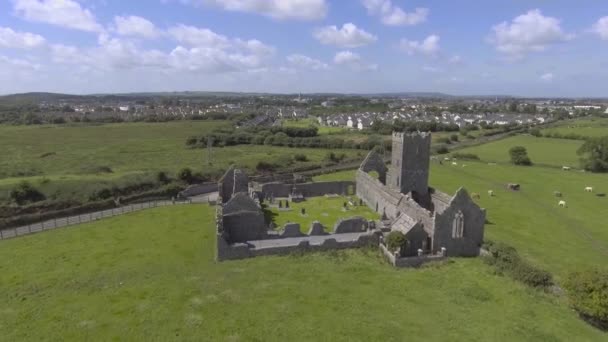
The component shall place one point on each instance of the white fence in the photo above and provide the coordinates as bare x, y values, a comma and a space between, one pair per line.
94, 216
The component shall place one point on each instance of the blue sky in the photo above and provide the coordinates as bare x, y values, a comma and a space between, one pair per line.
463, 47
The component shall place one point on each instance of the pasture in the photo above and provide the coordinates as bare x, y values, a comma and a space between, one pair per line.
327, 210
64, 161
542, 151
151, 276
588, 127
558, 239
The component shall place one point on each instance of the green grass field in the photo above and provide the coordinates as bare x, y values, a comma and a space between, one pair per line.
588, 127
325, 210
151, 276
559, 239
65, 161
543, 151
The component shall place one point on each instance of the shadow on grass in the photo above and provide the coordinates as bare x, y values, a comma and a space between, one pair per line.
269, 215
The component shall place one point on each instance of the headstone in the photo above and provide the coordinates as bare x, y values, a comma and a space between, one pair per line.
286, 203
444, 251
280, 204
303, 211
316, 228
420, 252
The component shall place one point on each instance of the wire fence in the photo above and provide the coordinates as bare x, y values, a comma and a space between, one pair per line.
98, 215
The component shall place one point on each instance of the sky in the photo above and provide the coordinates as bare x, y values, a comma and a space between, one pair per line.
526, 48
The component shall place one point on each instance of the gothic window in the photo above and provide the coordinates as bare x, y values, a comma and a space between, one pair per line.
458, 225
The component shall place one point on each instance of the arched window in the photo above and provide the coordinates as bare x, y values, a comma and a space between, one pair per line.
458, 225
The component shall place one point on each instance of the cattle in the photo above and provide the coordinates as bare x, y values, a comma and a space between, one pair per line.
491, 193
446, 159
475, 195
589, 189
557, 194
562, 204
513, 186
566, 168
454, 163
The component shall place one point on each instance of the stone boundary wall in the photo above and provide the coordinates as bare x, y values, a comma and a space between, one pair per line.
415, 261
243, 251
199, 189
308, 189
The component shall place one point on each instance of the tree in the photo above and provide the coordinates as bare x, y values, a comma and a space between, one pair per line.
594, 154
588, 294
25, 193
395, 240
519, 156
185, 175
162, 177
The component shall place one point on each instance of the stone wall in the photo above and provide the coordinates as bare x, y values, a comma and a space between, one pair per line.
412, 261
351, 225
308, 189
242, 251
374, 194
409, 170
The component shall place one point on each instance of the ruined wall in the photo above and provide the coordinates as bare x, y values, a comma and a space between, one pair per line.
375, 162
376, 196
351, 225
242, 251
474, 221
308, 189
226, 185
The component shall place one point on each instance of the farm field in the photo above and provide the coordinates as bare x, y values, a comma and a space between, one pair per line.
593, 127
62, 161
542, 151
151, 276
560, 240
327, 210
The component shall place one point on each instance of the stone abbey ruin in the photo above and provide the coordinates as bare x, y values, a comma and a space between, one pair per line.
434, 224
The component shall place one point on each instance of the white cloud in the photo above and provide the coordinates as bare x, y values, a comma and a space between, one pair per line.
601, 27
18, 63
394, 15
547, 77
349, 36
354, 61
64, 13
306, 62
135, 26
277, 9
432, 69
194, 36
456, 59
530, 32
20, 40
429, 46
347, 57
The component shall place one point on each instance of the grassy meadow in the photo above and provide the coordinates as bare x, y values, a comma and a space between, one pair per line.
71, 161
327, 210
151, 276
589, 127
542, 151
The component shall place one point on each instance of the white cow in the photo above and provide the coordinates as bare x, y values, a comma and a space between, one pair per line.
455, 163
491, 193
589, 189
566, 168
562, 204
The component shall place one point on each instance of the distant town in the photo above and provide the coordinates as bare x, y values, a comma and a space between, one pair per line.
357, 112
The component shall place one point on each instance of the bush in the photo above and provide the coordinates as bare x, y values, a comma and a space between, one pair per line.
519, 156
264, 166
465, 156
185, 175
535, 132
26, 193
506, 260
300, 157
395, 240
444, 140
588, 294
442, 149
454, 137
162, 177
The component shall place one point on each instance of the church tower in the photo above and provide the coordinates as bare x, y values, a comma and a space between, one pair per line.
409, 170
